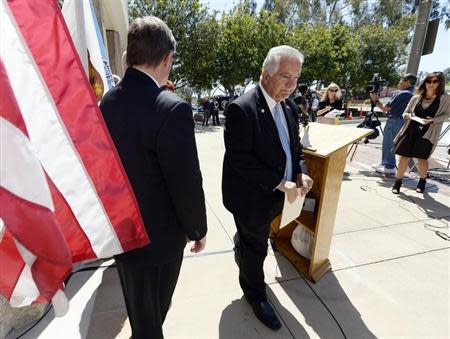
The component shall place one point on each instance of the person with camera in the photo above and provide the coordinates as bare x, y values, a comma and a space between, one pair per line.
331, 100
425, 114
394, 110
302, 98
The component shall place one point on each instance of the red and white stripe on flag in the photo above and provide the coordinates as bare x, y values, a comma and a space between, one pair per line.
64, 195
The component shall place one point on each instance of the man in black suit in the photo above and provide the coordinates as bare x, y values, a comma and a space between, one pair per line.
215, 113
207, 110
261, 165
153, 131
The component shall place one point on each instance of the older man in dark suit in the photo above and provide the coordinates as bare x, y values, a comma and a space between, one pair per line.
261, 164
153, 131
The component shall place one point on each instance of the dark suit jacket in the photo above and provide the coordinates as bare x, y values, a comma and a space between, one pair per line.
153, 131
254, 162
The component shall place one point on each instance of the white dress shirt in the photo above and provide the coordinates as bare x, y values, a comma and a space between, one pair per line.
156, 82
271, 104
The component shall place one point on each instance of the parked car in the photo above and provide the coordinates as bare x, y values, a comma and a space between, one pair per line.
197, 108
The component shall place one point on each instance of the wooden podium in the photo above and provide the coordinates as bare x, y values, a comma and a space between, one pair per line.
326, 167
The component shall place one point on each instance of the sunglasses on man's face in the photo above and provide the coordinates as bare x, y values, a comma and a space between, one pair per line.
430, 81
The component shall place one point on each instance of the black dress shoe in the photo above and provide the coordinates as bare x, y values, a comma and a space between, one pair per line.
397, 185
421, 185
266, 314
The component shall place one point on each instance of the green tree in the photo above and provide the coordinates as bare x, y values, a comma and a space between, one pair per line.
286, 11
244, 40
316, 44
236, 50
331, 53
193, 28
354, 13
442, 12
199, 64
350, 56
345, 55
390, 12
447, 75
383, 51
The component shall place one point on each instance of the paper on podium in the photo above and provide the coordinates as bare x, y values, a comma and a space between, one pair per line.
334, 113
419, 120
291, 211
305, 137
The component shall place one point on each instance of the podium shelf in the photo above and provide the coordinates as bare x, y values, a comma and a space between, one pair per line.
308, 219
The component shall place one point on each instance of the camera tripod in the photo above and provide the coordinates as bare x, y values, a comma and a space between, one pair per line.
306, 113
372, 116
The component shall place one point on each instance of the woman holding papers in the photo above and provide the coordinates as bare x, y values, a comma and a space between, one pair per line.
331, 100
426, 112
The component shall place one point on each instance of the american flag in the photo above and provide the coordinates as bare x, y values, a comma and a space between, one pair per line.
64, 195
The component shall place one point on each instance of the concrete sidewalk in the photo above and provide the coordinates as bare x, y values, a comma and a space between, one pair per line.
389, 279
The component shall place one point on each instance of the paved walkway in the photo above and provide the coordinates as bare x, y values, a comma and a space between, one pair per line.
389, 279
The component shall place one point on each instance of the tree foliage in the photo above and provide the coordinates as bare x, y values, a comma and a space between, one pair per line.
244, 41
350, 57
200, 60
344, 41
382, 51
194, 30
354, 13
447, 75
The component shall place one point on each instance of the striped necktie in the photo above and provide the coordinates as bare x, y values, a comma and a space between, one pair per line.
284, 138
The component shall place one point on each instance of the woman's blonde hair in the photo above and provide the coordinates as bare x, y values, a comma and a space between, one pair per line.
333, 85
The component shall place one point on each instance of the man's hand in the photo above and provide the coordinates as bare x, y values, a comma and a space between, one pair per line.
290, 188
199, 245
406, 116
304, 182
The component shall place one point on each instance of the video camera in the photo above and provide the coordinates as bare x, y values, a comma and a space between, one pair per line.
376, 84
371, 120
304, 98
304, 93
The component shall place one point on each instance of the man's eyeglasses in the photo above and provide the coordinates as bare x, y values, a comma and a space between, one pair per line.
429, 81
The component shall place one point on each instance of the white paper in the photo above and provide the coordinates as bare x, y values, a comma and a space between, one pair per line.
334, 113
419, 120
291, 211
305, 137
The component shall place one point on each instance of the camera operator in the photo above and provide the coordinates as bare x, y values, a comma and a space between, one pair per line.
302, 100
394, 108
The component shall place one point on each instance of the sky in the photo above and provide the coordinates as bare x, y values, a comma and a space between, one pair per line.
440, 58
436, 61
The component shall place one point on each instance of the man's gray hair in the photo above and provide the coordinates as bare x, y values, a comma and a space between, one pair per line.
273, 58
149, 41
